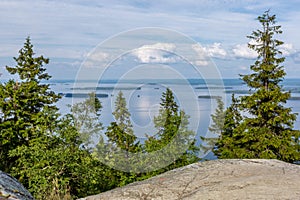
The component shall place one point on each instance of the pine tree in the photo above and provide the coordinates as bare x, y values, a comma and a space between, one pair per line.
266, 130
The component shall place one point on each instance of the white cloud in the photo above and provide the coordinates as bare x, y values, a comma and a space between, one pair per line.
69, 28
96, 59
215, 50
201, 58
201, 62
98, 56
156, 53
160, 46
243, 51
200, 50
203, 54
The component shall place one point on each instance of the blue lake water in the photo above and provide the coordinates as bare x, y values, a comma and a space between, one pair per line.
143, 98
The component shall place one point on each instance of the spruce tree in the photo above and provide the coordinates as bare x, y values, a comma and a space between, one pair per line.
215, 129
37, 145
218, 118
22, 103
122, 143
266, 130
172, 125
168, 121
120, 133
225, 143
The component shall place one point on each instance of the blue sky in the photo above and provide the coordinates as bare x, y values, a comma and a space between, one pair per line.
67, 31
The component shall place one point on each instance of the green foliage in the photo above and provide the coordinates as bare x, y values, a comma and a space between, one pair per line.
51, 155
38, 146
266, 130
120, 133
86, 118
122, 115
172, 126
218, 118
225, 143
21, 103
216, 128
55, 165
121, 141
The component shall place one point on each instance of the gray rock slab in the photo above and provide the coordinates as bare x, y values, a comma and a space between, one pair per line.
11, 189
218, 179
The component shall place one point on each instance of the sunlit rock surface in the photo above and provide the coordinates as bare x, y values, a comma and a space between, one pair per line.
218, 179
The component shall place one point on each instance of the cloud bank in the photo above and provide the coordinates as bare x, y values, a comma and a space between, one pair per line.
67, 29
156, 53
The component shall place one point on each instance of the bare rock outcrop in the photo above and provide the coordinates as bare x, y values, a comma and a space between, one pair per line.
11, 189
218, 179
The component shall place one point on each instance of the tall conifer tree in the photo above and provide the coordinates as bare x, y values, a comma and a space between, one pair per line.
120, 133
215, 129
23, 102
266, 129
172, 125
225, 143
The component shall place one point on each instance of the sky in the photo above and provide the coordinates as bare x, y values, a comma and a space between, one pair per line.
72, 33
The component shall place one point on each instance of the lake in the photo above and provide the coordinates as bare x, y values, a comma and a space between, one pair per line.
194, 96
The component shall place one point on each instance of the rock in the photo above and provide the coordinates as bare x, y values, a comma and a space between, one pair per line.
11, 189
218, 179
